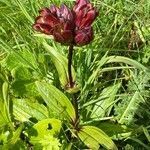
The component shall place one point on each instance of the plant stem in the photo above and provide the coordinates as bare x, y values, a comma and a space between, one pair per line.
71, 85
70, 53
75, 103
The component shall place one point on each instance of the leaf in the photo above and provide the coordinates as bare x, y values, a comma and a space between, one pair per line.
103, 107
61, 64
45, 36
93, 136
56, 100
21, 58
147, 134
48, 142
24, 88
16, 135
126, 60
23, 84
96, 71
45, 131
21, 73
13, 140
135, 96
47, 127
115, 131
24, 10
24, 109
4, 119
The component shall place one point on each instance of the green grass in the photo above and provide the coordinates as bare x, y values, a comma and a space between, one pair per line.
113, 74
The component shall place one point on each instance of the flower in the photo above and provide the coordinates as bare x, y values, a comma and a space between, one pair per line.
85, 14
68, 26
57, 22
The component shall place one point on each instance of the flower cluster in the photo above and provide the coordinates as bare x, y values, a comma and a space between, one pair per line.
68, 26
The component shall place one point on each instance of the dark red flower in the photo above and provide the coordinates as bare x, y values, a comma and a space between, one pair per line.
68, 26
85, 14
57, 22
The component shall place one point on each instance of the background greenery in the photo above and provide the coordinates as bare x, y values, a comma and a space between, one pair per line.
112, 71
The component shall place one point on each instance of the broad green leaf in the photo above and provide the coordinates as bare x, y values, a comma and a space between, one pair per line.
115, 131
24, 58
56, 100
47, 127
21, 73
61, 64
45, 131
24, 109
93, 137
23, 83
24, 88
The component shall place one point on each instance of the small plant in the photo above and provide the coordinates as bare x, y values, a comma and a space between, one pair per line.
72, 75
72, 28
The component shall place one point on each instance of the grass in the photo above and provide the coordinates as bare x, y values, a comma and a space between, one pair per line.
113, 74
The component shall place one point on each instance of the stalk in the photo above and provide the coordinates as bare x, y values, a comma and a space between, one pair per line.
71, 85
70, 53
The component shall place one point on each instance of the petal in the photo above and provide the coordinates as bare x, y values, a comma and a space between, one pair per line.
85, 14
84, 36
66, 13
79, 18
68, 36
48, 20
79, 5
69, 26
58, 37
88, 19
45, 11
43, 28
64, 37
54, 10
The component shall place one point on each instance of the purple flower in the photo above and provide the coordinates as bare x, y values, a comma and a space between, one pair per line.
68, 26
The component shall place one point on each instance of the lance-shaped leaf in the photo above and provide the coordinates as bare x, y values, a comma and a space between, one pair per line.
57, 102
126, 60
93, 137
24, 109
61, 64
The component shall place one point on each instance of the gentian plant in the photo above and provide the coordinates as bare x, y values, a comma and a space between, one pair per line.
74, 76
71, 27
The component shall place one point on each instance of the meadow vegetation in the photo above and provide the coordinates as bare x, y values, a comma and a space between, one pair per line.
112, 75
